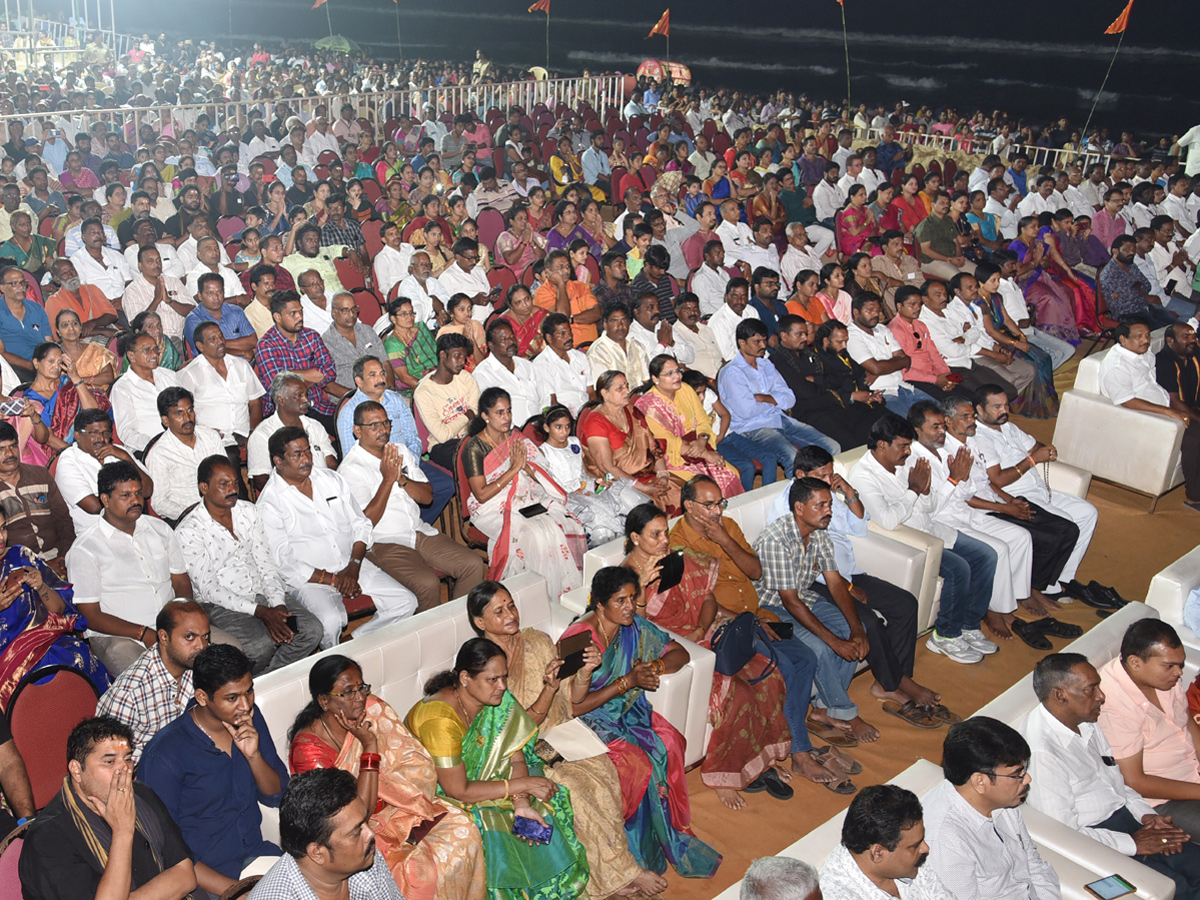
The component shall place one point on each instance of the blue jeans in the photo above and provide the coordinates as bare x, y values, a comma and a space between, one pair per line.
442, 484
902, 401
1182, 307
833, 673
797, 665
969, 570
1060, 351
772, 447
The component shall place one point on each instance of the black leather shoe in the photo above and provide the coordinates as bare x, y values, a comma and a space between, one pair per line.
1085, 595
1108, 593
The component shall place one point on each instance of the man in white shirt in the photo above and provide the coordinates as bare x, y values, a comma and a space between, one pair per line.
387, 482
208, 259
153, 289
262, 143
227, 392
319, 538
1076, 200
853, 167
733, 232
1039, 200
827, 196
563, 372
504, 368
985, 351
882, 853
998, 193
316, 301
135, 395
145, 233
124, 568
711, 278
873, 346
702, 157
1076, 782
979, 845
319, 141
466, 276
615, 350
1172, 264
392, 261
655, 335
1191, 141
98, 264
1175, 205
427, 293
173, 459
234, 577
688, 329
79, 465
762, 252
188, 251
800, 255
736, 309
1127, 379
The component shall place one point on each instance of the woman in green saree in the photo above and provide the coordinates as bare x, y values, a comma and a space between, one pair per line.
481, 741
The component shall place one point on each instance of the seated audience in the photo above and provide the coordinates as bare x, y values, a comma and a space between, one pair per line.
135, 394
725, 321
289, 392
348, 340
564, 372
59, 392
23, 326
289, 346
34, 511
154, 289
214, 796
219, 298
615, 349
689, 330
173, 458
446, 400
780, 878
103, 828
228, 395
956, 332
79, 465
504, 368
1177, 370
874, 347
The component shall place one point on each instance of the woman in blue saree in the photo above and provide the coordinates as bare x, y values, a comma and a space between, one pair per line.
39, 625
646, 749
482, 741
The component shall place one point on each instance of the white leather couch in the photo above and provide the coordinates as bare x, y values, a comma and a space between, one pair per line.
1065, 478
398, 659
1169, 590
1136, 450
1070, 853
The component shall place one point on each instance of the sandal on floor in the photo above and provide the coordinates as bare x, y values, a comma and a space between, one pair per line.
841, 783
942, 714
911, 713
1031, 634
844, 761
1055, 628
830, 734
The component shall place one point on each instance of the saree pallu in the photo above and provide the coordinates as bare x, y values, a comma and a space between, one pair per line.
637, 455
849, 243
32, 637
60, 408
593, 782
749, 729
529, 335
684, 419
648, 753
550, 543
418, 358
447, 864
1040, 399
1053, 304
1083, 295
515, 870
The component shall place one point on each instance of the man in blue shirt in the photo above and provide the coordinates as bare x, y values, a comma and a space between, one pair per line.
765, 299
213, 765
23, 323
755, 394
891, 153
372, 385
240, 336
596, 170
888, 613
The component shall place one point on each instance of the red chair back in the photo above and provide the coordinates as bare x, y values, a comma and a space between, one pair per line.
491, 224
412, 228
374, 242
649, 176
322, 172
228, 226
10, 857
503, 278
371, 190
41, 716
460, 479
593, 268
369, 308
326, 157
46, 226
348, 274
232, 248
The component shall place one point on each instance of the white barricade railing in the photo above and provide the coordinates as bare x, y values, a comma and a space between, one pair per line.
1058, 158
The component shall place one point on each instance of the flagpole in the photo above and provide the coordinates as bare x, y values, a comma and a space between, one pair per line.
547, 42
399, 40
1096, 102
846, 45
329, 19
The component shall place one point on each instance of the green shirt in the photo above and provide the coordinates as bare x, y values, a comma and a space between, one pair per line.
941, 235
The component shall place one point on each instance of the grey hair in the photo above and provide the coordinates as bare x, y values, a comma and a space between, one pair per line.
284, 378
792, 226
778, 878
950, 405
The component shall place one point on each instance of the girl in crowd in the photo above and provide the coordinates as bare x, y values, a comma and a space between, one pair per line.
459, 309
345, 726
806, 301
830, 291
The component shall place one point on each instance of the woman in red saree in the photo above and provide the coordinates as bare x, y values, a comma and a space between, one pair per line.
345, 724
526, 321
56, 388
906, 210
750, 733
855, 222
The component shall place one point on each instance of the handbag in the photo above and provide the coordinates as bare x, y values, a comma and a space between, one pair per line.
733, 645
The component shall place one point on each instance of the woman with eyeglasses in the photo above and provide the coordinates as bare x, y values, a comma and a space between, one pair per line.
346, 727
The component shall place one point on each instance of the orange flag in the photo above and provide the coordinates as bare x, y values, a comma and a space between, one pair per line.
1122, 21
663, 27
318, 3
543, 5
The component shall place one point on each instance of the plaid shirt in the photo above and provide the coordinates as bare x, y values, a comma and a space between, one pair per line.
788, 565
146, 697
285, 881
348, 233
275, 353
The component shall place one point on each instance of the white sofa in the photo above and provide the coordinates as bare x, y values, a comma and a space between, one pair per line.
1169, 590
398, 659
1136, 450
1077, 859
1065, 478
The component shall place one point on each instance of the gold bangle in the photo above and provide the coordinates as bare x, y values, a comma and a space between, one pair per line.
505, 797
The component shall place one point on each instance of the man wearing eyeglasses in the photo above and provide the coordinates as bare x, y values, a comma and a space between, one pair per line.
22, 325
466, 276
348, 339
978, 843
386, 480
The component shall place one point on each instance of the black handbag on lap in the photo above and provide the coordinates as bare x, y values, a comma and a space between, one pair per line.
733, 644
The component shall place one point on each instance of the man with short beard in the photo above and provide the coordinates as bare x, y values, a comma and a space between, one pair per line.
96, 314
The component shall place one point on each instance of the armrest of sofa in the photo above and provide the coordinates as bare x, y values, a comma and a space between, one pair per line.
1069, 479
682, 698
1169, 589
890, 560
932, 548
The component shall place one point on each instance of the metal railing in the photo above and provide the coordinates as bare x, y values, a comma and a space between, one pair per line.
1040, 156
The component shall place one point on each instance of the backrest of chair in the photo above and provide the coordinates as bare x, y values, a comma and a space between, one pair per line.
241, 888
10, 857
460, 478
40, 716
370, 309
491, 225
348, 274
371, 190
1087, 378
371, 238
228, 226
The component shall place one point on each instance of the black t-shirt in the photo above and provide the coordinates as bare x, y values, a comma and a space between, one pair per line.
125, 229
56, 863
299, 196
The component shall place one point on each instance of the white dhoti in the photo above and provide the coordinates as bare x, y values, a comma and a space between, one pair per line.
393, 602
1014, 561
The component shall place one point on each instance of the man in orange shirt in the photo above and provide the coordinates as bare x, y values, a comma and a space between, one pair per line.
97, 315
574, 299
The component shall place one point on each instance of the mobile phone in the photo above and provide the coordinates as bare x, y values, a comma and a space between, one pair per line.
293, 623
1110, 888
532, 830
533, 509
570, 651
12, 407
785, 631
1169, 287
670, 571
497, 289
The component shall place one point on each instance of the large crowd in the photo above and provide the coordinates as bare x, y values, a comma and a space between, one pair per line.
270, 389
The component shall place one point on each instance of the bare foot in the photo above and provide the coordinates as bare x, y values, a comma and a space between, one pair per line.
861, 731
805, 766
899, 696
822, 717
1050, 606
649, 883
782, 772
920, 694
997, 624
1033, 607
731, 798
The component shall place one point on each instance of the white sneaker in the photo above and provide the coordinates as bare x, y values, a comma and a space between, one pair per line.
955, 648
976, 641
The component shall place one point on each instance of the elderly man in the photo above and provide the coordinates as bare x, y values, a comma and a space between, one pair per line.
316, 301
426, 292
291, 347
559, 293
96, 314
979, 845
388, 484
154, 290
214, 796
780, 878
156, 689
348, 340
79, 466
309, 254
172, 460
1075, 783
1127, 379
289, 392
208, 262
883, 852
328, 843
135, 394
99, 264
614, 349
233, 574
146, 851
505, 368
564, 372
319, 538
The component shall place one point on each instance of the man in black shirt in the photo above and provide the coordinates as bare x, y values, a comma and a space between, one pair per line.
1177, 368
103, 828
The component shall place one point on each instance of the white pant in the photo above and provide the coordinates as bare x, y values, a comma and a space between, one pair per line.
1060, 351
820, 237
393, 602
1014, 561
1078, 511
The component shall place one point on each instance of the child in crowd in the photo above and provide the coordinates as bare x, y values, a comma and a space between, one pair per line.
460, 308
578, 251
636, 257
250, 253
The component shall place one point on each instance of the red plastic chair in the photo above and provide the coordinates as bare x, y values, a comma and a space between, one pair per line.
10, 857
491, 225
348, 274
326, 157
322, 172
593, 268
649, 176
631, 179
41, 716
46, 227
232, 248
475, 538
721, 142
374, 242
228, 226
502, 277
370, 310
371, 190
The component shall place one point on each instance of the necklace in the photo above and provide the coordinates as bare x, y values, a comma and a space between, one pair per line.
603, 634
333, 740
479, 737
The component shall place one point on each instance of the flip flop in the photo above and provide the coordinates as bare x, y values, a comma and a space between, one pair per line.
1055, 628
1031, 635
911, 713
842, 784
830, 734
942, 714
844, 761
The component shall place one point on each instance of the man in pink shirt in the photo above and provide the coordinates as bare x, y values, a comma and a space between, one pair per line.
1145, 718
1108, 224
929, 370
